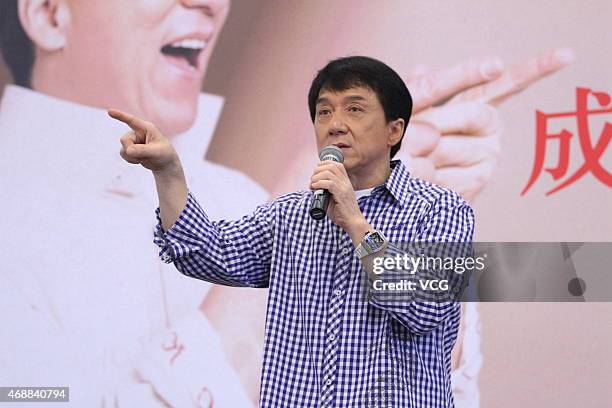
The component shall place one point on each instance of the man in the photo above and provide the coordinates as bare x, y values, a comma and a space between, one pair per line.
322, 338
453, 139
117, 327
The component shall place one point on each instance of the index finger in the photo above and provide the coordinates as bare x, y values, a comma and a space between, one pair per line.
330, 165
435, 88
519, 76
132, 121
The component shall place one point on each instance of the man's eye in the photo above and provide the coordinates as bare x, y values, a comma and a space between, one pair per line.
355, 109
323, 112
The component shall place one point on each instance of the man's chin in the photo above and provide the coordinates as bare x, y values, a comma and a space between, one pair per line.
349, 163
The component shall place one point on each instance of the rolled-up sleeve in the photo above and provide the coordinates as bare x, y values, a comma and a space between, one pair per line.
232, 253
451, 222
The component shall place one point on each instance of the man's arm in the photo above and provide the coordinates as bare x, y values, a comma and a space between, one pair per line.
172, 193
234, 253
451, 222
147, 146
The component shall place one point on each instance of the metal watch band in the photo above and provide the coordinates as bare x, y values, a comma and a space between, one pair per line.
360, 251
364, 249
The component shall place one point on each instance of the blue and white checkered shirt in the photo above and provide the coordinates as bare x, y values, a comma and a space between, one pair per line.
326, 345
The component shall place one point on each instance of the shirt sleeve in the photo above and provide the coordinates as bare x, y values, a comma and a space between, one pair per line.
452, 221
232, 253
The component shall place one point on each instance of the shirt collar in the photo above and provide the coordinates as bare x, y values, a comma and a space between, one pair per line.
397, 183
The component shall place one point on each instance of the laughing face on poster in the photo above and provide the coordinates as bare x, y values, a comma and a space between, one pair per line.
117, 327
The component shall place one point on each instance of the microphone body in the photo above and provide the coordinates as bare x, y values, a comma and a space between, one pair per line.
318, 208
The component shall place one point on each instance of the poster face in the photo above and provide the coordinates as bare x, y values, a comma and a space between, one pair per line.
512, 109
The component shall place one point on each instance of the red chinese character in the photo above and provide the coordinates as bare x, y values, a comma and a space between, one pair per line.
592, 154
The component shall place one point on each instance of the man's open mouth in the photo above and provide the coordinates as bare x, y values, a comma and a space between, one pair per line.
185, 52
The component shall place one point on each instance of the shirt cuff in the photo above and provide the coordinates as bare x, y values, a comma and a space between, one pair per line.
186, 235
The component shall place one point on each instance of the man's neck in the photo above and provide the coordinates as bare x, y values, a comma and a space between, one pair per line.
373, 176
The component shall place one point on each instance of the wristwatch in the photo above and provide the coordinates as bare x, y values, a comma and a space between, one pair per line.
372, 242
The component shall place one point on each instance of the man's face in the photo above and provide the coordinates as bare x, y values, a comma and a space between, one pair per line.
353, 120
144, 56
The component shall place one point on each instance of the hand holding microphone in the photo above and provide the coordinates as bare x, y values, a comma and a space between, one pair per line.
318, 208
330, 178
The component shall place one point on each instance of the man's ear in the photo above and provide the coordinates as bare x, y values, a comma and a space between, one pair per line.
396, 131
45, 22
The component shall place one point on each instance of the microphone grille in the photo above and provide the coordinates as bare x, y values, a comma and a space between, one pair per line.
331, 152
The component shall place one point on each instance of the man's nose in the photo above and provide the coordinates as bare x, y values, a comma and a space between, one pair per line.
337, 126
210, 7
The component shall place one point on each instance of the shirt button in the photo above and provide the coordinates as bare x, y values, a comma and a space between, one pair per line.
338, 292
345, 251
329, 382
332, 337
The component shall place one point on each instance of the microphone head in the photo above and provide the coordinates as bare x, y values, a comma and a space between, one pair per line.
331, 152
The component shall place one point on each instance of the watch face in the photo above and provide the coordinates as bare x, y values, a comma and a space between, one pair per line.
375, 240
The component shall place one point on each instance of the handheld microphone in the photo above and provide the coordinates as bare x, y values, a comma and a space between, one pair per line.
318, 208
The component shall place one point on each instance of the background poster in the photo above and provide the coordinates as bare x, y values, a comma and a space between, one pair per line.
266, 55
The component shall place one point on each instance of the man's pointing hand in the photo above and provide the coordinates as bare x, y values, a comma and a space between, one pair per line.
145, 144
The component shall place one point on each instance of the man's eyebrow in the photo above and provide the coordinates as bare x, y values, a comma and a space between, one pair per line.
348, 98
352, 98
322, 100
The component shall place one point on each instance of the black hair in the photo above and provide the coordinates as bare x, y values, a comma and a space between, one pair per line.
348, 72
16, 47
